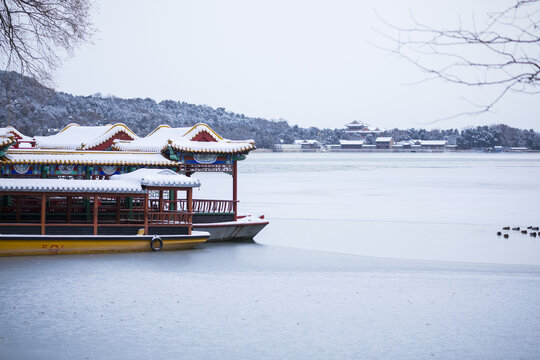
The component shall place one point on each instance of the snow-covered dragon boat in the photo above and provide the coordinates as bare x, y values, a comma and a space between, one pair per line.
100, 152
125, 213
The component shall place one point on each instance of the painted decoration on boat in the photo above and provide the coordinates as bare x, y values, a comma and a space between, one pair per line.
66, 169
205, 158
21, 168
109, 169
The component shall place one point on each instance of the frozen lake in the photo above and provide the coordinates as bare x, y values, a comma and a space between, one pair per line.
446, 206
282, 298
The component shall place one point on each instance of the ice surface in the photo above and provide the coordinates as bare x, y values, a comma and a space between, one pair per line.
438, 206
251, 301
247, 301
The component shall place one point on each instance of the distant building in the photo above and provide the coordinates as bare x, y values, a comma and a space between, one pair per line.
298, 146
518, 149
361, 129
433, 145
308, 145
351, 144
384, 143
287, 148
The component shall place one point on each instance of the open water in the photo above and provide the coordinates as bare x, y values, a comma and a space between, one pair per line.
271, 301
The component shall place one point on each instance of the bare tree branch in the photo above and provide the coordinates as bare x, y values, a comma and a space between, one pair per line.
36, 34
502, 51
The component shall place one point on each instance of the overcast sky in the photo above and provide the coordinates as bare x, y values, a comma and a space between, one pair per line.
308, 62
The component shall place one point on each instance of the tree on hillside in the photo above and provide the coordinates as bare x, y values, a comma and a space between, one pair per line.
35, 34
500, 51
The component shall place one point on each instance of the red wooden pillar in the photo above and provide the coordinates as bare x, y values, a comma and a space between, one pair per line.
95, 214
235, 189
17, 208
145, 214
68, 208
43, 212
160, 200
118, 200
189, 200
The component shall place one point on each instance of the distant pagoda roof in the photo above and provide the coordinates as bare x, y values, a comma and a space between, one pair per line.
362, 128
76, 137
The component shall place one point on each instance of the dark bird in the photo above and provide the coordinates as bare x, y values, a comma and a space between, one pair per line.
506, 236
523, 231
516, 228
499, 233
506, 228
533, 234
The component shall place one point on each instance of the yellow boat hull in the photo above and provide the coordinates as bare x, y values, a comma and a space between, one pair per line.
51, 245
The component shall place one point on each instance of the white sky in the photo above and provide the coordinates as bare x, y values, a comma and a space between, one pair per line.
308, 62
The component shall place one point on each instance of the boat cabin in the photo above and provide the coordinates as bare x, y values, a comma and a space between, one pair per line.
158, 202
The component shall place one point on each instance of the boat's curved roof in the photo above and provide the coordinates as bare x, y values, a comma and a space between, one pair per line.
158, 178
199, 138
132, 183
76, 137
153, 142
39, 156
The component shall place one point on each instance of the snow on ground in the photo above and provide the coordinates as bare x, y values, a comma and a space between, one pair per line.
248, 301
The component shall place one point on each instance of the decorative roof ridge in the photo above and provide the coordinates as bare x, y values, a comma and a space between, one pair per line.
201, 125
157, 128
113, 130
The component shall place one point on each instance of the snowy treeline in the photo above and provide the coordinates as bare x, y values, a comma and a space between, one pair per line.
479, 137
36, 110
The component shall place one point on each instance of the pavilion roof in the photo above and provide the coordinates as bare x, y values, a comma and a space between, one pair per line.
40, 156
132, 183
153, 142
10, 131
200, 138
5, 141
158, 178
76, 137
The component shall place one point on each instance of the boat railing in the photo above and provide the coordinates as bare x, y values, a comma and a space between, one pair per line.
169, 218
200, 206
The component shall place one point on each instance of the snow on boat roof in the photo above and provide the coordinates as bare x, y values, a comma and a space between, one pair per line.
132, 183
153, 142
70, 186
218, 147
5, 141
38, 156
158, 178
383, 139
10, 131
183, 139
74, 136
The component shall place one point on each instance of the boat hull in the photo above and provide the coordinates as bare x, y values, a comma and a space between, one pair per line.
74, 244
232, 230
